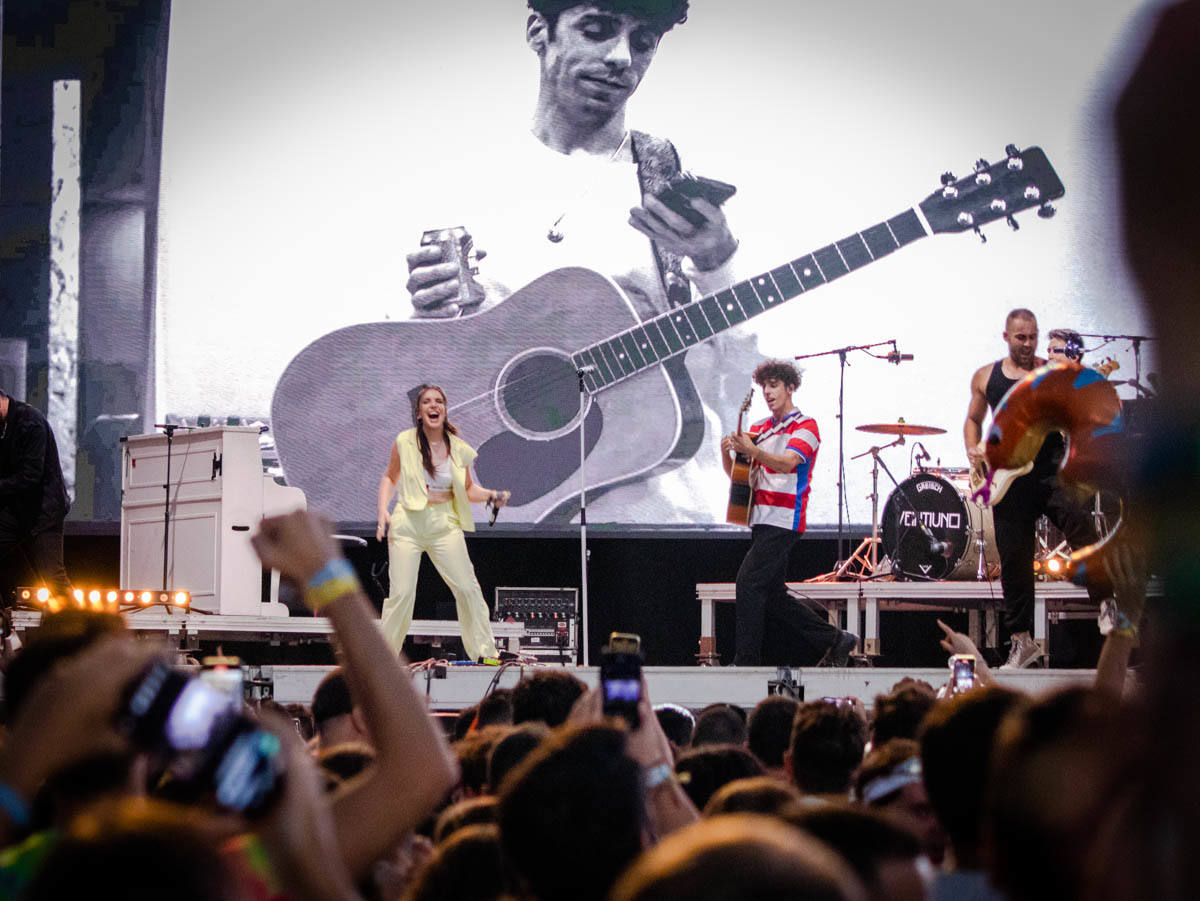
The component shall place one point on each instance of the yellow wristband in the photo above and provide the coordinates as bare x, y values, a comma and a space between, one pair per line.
336, 579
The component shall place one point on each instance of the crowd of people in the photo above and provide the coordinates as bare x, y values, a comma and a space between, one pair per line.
937, 792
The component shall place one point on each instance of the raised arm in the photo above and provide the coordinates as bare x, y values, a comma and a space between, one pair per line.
477, 494
413, 769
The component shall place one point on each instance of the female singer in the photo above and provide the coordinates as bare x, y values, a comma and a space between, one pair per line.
431, 467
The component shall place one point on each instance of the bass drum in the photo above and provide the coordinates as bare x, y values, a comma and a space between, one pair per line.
944, 507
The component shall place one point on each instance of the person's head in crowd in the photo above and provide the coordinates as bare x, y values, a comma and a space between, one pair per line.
137, 851
677, 724
339, 764
769, 731
828, 738
755, 794
464, 721
495, 709
301, 716
511, 750
885, 856
898, 713
546, 696
890, 782
956, 743
739, 857
701, 771
471, 812
469, 865
59, 637
472, 753
719, 724
572, 814
1060, 767
334, 716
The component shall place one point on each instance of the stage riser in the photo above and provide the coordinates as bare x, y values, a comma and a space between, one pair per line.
690, 687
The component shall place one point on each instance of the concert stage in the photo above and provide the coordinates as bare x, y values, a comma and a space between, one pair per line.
459, 685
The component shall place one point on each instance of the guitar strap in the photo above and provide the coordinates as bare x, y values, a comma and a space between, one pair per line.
657, 160
775, 429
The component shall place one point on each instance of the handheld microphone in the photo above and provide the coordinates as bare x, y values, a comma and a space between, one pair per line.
495, 512
898, 358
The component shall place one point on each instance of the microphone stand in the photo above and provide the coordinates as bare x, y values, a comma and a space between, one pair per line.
1136, 341
583, 551
841, 483
169, 430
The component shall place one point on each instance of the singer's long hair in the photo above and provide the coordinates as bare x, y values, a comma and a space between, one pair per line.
422, 441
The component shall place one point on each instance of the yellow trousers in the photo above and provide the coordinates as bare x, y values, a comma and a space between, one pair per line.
437, 532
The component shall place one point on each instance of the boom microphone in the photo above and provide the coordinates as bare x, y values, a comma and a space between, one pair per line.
898, 358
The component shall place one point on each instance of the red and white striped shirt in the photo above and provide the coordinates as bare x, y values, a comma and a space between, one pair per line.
781, 498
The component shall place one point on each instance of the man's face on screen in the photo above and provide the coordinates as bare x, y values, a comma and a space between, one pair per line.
596, 59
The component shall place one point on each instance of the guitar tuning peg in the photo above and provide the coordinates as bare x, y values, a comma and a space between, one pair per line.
981, 165
982, 236
1046, 211
1012, 223
1011, 151
948, 178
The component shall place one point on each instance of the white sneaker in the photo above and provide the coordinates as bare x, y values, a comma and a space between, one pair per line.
1023, 652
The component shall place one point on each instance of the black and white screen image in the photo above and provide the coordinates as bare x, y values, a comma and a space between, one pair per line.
308, 149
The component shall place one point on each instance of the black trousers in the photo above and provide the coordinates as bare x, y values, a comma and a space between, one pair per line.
1016, 518
772, 626
42, 553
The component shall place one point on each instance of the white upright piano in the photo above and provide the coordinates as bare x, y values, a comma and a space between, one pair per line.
218, 494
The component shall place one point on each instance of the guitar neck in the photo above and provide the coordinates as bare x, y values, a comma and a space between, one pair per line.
671, 333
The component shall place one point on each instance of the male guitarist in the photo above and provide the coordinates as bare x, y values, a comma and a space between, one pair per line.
782, 450
1032, 495
578, 189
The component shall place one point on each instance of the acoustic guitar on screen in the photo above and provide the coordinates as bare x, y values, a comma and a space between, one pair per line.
519, 367
1002, 479
738, 511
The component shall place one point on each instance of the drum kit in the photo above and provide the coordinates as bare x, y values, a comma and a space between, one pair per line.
930, 528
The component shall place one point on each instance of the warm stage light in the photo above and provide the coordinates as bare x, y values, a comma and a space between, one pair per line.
1054, 564
146, 598
43, 594
78, 595
181, 599
129, 597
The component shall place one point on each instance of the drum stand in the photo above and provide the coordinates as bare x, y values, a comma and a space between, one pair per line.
863, 564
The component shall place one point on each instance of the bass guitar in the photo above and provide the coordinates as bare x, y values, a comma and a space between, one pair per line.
515, 370
738, 511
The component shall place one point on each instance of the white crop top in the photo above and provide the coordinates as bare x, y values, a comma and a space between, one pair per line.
440, 480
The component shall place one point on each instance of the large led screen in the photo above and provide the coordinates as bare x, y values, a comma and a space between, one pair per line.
307, 147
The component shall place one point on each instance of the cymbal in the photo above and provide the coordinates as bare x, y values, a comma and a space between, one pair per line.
900, 427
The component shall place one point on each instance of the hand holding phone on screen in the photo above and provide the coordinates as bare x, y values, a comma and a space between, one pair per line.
686, 218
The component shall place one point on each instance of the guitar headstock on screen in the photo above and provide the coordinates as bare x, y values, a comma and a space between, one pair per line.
1023, 180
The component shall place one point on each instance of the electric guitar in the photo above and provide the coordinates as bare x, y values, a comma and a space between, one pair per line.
569, 349
738, 511
1002, 479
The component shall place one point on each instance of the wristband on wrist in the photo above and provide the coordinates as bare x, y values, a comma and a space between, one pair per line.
656, 775
14, 806
332, 581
